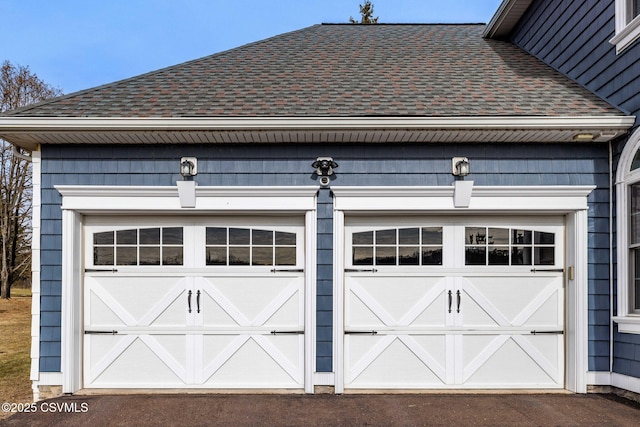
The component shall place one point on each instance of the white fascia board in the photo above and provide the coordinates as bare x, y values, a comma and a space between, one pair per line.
501, 22
35, 125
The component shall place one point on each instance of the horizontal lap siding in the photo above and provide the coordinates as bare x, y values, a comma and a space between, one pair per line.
573, 37
284, 165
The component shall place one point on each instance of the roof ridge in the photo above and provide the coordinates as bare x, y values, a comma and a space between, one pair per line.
147, 74
406, 23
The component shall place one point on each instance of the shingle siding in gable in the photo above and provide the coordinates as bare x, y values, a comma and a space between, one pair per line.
573, 37
365, 165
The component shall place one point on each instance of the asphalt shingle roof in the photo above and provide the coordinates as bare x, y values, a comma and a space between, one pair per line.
345, 71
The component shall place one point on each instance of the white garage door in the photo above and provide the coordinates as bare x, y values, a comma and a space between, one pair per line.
215, 303
452, 303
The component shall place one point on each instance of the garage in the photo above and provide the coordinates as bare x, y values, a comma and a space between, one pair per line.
196, 302
466, 302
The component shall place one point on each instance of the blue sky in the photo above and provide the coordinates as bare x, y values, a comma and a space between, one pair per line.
78, 44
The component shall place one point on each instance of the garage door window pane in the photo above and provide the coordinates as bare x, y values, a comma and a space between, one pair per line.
262, 237
385, 255
409, 236
216, 236
432, 256
172, 236
499, 236
150, 236
499, 255
172, 255
521, 255
150, 255
103, 256
239, 255
386, 237
285, 239
262, 256
475, 256
365, 238
432, 235
285, 255
126, 255
127, 237
105, 238
217, 256
409, 255
363, 255
544, 256
239, 236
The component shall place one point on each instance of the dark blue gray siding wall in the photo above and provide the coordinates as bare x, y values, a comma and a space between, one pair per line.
283, 165
573, 37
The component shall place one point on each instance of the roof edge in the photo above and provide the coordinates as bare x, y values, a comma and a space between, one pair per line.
10, 124
505, 18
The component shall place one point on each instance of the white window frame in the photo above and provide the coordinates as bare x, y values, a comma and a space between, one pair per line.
627, 27
628, 322
79, 201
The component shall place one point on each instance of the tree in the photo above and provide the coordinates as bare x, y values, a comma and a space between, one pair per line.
18, 87
366, 10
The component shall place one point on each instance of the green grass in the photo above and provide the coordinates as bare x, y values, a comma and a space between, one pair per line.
15, 344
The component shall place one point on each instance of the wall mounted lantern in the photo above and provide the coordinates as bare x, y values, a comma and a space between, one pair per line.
188, 166
460, 166
324, 167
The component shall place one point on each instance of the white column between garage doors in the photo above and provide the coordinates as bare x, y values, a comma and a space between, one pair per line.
80, 201
568, 202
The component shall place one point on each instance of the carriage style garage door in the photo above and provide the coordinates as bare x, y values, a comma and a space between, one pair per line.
454, 303
215, 303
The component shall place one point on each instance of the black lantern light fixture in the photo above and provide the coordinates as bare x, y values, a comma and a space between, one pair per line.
460, 166
188, 167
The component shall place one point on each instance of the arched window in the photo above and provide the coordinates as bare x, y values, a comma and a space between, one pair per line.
628, 236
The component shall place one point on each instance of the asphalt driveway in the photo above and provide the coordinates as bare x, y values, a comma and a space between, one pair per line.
332, 410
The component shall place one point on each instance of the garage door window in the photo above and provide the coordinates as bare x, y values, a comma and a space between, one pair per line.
227, 246
139, 246
508, 246
398, 246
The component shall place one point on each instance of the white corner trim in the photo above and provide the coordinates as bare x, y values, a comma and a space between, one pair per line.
36, 216
310, 380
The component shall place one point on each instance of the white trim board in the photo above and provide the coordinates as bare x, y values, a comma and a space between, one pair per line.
614, 379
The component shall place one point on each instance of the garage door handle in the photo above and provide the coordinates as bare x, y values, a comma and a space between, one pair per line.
189, 300
458, 300
450, 300
198, 300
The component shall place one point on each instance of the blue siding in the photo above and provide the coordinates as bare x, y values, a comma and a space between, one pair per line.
573, 37
285, 164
